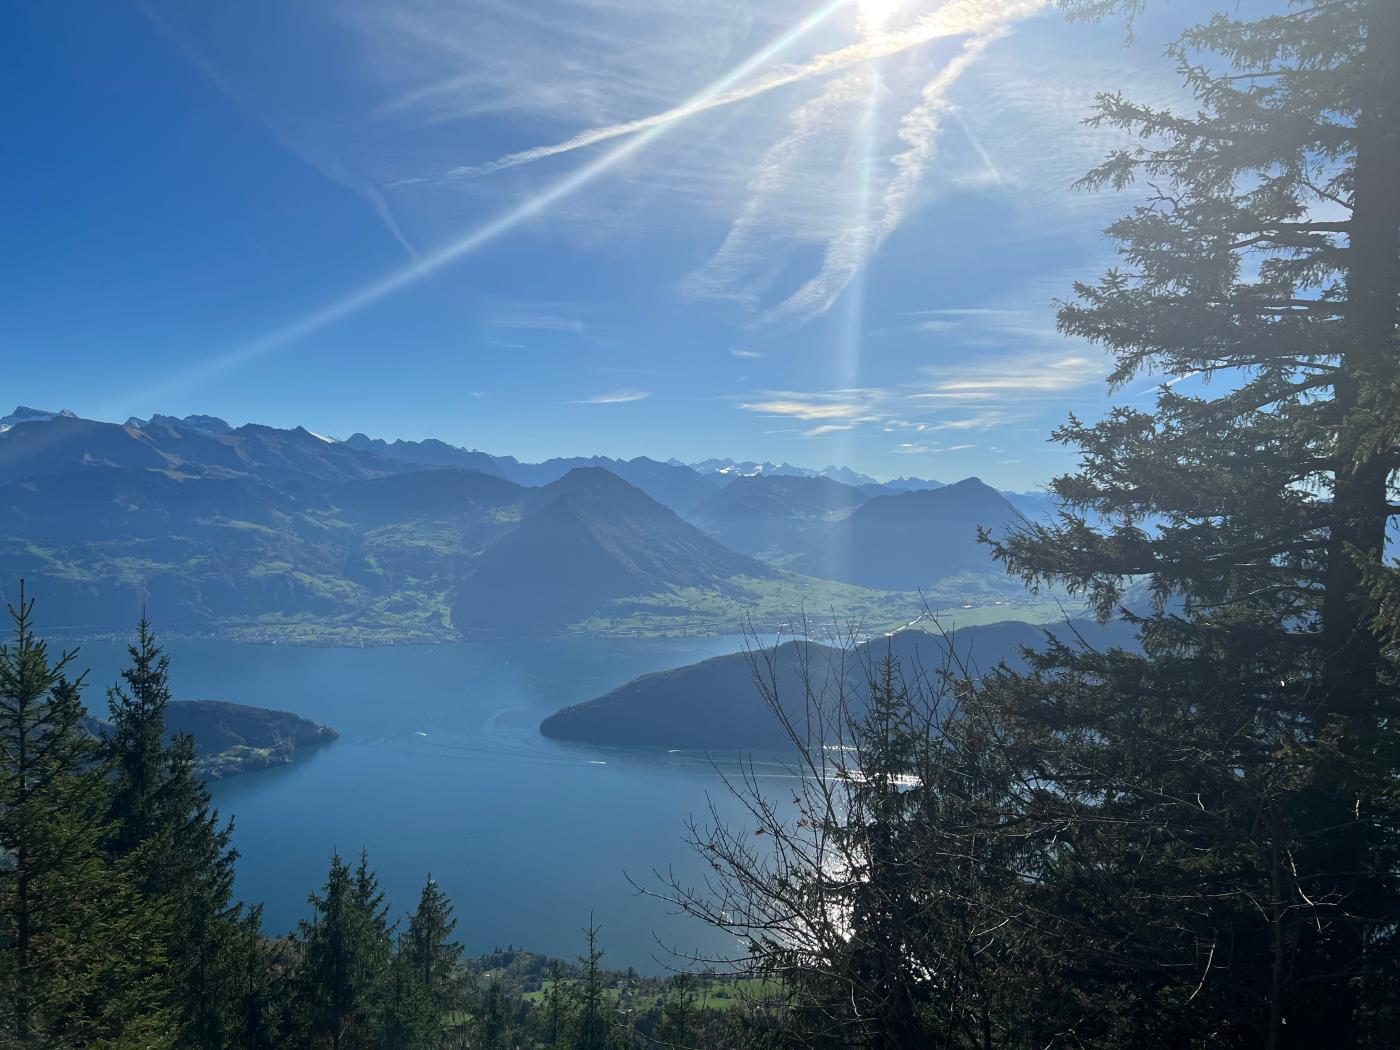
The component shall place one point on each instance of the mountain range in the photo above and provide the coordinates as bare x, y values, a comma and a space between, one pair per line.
288, 533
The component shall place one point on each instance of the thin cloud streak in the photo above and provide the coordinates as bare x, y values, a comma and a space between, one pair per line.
326, 166
919, 130
422, 267
718, 277
614, 397
956, 18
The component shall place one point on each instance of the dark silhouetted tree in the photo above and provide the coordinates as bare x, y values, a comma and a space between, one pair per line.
343, 979
592, 1026
429, 950
1225, 871
79, 964
166, 832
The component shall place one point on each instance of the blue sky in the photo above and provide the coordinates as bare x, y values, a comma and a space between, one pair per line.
765, 230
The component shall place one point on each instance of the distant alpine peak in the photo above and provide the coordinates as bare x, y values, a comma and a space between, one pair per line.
200, 423
911, 484
25, 414
728, 468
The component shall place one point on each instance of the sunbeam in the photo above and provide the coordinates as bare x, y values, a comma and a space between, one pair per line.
872, 18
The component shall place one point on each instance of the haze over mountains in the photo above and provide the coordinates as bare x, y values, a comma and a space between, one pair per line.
910, 538
253, 527
775, 515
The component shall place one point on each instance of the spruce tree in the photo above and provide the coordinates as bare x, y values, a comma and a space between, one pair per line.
430, 953
494, 1022
556, 1006
343, 978
410, 1019
78, 964
1223, 868
259, 991
592, 1030
169, 836
137, 744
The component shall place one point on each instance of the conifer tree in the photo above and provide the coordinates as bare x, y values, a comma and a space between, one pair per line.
410, 1019
259, 992
168, 835
555, 1005
494, 1021
137, 744
1223, 869
592, 1030
885, 898
343, 977
430, 953
78, 966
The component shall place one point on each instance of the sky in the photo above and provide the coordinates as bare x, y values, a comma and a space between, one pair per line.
794, 231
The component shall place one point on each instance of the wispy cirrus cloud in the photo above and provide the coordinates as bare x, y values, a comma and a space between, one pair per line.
849, 252
884, 187
614, 397
1008, 378
954, 18
848, 405
980, 421
989, 392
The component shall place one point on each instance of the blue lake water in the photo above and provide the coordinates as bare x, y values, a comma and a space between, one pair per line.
440, 769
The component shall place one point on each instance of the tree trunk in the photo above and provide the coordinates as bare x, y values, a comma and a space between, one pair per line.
1359, 505
24, 933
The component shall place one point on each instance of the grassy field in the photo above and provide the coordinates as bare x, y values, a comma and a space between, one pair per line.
792, 604
711, 992
418, 611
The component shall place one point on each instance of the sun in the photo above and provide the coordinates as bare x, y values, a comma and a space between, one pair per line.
873, 14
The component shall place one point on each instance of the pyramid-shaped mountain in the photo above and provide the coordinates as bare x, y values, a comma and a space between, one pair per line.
585, 540
911, 539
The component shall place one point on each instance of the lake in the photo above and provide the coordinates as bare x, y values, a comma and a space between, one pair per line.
440, 769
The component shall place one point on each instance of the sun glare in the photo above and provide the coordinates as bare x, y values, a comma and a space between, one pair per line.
874, 14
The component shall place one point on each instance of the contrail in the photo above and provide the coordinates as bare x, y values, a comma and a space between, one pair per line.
919, 131
716, 279
848, 253
956, 18
977, 146
428, 264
